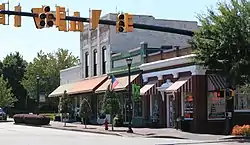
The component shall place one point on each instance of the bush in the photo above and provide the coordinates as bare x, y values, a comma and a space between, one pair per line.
31, 119
118, 121
241, 130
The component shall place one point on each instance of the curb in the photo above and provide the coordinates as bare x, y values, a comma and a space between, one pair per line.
235, 137
161, 136
89, 131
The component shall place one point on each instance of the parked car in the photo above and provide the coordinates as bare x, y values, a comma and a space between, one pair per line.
3, 115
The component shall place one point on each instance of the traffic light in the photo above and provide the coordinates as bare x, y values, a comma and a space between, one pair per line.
120, 24
2, 16
61, 14
17, 19
128, 22
94, 19
50, 18
40, 19
76, 25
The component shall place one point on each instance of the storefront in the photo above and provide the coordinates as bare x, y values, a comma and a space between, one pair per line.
186, 93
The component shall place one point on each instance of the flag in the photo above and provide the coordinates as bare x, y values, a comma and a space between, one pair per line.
114, 82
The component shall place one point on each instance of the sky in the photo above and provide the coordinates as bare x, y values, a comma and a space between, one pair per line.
28, 40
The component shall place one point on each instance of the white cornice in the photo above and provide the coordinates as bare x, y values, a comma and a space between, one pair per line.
167, 62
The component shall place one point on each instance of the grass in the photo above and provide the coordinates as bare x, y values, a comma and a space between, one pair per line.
50, 115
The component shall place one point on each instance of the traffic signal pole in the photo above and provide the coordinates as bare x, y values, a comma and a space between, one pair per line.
109, 22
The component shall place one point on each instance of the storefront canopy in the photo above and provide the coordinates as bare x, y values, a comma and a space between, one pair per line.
217, 81
178, 84
122, 83
60, 90
84, 86
149, 87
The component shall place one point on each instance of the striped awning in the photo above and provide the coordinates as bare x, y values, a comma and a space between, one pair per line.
180, 84
217, 81
149, 88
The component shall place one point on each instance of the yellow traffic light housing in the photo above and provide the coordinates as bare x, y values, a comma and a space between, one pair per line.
40, 18
120, 24
128, 22
94, 18
61, 14
76, 25
50, 18
17, 19
2, 16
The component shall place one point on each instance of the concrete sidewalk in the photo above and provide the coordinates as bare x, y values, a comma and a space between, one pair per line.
138, 132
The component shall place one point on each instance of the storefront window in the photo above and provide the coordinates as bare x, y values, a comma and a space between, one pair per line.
216, 106
188, 106
138, 108
242, 101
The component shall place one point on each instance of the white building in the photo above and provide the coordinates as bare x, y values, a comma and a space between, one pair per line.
97, 46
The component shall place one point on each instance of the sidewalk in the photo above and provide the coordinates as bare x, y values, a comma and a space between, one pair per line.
138, 132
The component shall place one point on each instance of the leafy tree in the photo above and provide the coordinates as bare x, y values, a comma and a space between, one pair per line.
222, 43
85, 111
64, 106
111, 104
48, 66
13, 69
7, 98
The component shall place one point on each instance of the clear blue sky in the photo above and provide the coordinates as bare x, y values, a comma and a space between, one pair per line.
28, 40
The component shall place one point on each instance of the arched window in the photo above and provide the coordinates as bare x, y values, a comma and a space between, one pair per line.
86, 64
95, 62
104, 60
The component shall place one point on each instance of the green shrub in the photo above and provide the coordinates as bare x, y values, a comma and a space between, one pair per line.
50, 115
118, 121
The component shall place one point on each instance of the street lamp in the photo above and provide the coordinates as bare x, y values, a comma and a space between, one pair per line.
129, 62
37, 92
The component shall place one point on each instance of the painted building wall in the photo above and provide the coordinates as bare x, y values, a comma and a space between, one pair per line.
70, 75
106, 36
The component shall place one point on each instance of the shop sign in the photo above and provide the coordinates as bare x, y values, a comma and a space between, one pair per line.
215, 106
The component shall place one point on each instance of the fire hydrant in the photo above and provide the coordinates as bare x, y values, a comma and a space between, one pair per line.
106, 124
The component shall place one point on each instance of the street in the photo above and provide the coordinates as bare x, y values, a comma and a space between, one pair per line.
11, 134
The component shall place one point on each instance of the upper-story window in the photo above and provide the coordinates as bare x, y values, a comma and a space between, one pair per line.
86, 64
95, 62
104, 60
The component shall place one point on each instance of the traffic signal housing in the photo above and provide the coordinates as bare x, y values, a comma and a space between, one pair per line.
120, 24
128, 19
95, 18
221, 94
50, 18
40, 18
2, 16
61, 14
76, 25
17, 19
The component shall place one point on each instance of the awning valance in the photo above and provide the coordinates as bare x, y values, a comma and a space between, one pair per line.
60, 90
217, 81
178, 84
146, 88
84, 86
122, 83
87, 85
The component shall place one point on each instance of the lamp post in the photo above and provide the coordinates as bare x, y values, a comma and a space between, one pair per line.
129, 62
37, 92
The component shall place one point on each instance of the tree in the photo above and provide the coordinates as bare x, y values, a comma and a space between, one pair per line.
64, 106
85, 111
222, 43
48, 66
7, 98
111, 104
13, 69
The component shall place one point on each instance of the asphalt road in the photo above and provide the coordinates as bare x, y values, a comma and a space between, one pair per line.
11, 134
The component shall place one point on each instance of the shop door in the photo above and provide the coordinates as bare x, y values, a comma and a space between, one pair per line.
170, 110
126, 111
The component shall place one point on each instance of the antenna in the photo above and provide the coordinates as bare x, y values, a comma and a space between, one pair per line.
116, 9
